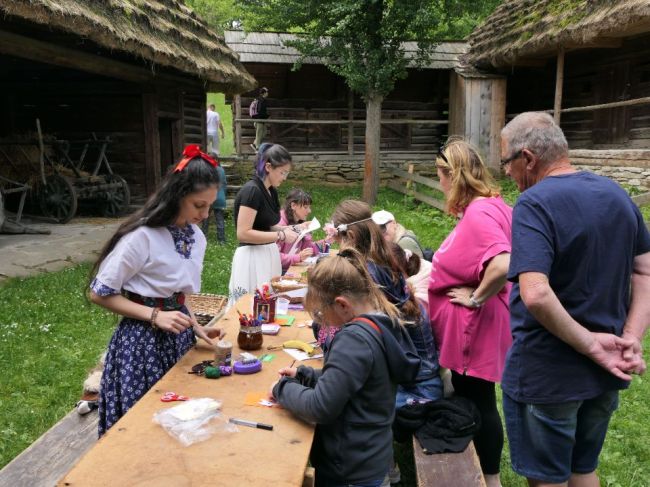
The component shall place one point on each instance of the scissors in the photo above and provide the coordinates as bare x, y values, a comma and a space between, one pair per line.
172, 396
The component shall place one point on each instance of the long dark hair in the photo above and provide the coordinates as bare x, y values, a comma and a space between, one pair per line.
274, 154
366, 237
299, 197
162, 207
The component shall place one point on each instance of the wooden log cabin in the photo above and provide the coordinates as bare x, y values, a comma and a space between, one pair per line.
318, 112
136, 71
586, 62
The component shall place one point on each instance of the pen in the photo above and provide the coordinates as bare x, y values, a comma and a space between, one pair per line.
251, 424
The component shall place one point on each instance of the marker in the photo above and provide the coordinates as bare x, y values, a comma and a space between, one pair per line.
251, 424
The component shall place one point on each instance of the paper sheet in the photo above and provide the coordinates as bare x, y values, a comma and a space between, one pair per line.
313, 225
299, 355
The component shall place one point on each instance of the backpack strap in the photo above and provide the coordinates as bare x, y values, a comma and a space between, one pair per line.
371, 323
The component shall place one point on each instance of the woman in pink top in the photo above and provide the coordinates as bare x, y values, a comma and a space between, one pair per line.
297, 207
468, 291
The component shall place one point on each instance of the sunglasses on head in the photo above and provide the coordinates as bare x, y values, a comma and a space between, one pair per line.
441, 153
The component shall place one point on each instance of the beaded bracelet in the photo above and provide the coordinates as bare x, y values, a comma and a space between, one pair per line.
154, 314
284, 236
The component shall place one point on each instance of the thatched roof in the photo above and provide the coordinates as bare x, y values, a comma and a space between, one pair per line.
162, 32
270, 47
528, 29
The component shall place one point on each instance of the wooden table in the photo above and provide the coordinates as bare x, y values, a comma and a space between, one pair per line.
136, 451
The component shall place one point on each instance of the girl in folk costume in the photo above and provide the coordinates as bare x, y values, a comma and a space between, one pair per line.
143, 273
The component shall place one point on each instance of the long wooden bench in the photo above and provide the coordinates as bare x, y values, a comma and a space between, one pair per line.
50, 457
448, 469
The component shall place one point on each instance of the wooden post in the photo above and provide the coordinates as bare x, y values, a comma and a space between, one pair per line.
559, 80
409, 182
236, 102
350, 124
151, 141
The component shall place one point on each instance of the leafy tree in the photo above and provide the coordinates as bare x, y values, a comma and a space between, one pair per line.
359, 40
219, 14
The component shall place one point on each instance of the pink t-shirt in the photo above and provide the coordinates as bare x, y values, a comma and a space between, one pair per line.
306, 243
472, 340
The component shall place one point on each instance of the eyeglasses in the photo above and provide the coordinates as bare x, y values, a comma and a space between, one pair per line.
284, 174
508, 160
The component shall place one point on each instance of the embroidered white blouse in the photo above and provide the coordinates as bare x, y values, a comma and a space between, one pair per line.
154, 262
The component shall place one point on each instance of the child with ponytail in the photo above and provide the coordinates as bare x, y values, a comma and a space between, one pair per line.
367, 358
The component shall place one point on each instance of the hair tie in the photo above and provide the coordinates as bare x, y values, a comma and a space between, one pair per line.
343, 227
193, 151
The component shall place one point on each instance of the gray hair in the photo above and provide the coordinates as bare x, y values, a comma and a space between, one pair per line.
538, 132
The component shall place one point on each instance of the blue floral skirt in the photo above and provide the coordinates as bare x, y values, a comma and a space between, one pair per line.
138, 356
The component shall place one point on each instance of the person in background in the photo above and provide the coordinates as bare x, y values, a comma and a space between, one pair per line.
218, 207
257, 219
297, 207
261, 114
143, 273
213, 126
394, 232
579, 306
468, 292
352, 398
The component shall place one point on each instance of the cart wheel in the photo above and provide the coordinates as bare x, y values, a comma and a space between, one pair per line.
116, 201
57, 198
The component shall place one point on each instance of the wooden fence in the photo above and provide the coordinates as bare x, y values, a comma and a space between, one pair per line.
403, 183
409, 189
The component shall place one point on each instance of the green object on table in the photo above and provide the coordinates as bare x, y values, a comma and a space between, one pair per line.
212, 372
267, 357
284, 320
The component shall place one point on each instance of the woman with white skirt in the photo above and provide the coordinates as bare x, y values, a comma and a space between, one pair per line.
257, 213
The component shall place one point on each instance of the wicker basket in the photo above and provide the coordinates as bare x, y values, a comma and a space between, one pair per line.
207, 308
282, 285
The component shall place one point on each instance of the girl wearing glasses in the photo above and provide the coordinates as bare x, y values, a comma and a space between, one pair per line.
257, 220
468, 293
352, 398
143, 273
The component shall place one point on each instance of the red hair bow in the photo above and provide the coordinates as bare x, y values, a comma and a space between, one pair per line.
192, 151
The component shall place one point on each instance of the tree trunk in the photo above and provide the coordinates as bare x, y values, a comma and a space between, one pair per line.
372, 159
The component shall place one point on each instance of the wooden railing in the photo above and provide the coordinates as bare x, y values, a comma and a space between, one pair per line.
408, 188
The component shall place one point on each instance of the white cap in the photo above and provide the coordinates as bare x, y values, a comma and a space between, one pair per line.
382, 217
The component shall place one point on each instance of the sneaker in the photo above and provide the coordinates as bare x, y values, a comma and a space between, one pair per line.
254, 147
394, 475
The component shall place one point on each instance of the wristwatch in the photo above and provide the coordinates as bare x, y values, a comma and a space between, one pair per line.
473, 302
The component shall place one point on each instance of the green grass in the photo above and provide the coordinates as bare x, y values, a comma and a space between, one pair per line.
50, 336
226, 145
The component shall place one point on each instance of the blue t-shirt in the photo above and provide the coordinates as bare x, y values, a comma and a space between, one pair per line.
583, 232
220, 202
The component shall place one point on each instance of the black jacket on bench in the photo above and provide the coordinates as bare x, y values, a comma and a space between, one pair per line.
442, 426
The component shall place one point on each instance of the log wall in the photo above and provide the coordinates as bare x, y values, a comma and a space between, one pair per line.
314, 93
149, 124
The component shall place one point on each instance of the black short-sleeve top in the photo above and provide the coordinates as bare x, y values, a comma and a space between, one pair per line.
254, 195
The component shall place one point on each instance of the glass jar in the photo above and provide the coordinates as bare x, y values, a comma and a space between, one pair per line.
250, 337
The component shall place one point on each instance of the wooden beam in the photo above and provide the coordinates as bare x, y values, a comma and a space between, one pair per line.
236, 104
350, 122
49, 53
559, 81
151, 141
343, 122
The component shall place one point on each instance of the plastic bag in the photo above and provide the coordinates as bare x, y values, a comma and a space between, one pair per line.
194, 420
